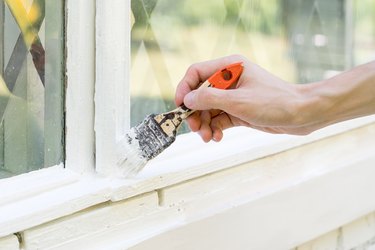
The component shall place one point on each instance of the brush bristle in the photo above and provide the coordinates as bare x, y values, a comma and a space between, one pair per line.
131, 161
144, 142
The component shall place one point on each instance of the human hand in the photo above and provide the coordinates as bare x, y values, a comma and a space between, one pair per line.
260, 100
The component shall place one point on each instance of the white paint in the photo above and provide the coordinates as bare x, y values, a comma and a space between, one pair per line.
182, 161
80, 85
358, 232
9, 243
129, 155
112, 81
72, 193
55, 202
287, 197
33, 183
126, 234
359, 235
75, 192
282, 219
93, 221
327, 241
37, 197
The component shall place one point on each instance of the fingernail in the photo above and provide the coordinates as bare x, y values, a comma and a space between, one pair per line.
189, 99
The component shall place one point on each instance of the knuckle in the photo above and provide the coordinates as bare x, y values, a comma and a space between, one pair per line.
193, 68
237, 57
207, 97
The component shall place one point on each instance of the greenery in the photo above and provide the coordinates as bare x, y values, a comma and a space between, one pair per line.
263, 16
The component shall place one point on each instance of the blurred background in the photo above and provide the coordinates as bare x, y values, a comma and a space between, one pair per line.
298, 40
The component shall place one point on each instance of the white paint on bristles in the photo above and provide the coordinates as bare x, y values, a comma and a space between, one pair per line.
131, 161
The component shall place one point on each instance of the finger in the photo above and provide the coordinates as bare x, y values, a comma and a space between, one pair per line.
205, 130
220, 123
208, 98
200, 72
217, 134
194, 121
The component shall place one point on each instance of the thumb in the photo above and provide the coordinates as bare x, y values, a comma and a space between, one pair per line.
205, 98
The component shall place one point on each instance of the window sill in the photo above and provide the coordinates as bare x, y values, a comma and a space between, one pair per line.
182, 161
56, 192
41, 196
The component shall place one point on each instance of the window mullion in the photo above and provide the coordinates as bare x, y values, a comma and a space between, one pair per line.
80, 67
112, 80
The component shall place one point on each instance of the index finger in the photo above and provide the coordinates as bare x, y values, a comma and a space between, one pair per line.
200, 72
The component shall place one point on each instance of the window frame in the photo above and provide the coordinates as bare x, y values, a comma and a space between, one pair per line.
97, 115
79, 136
112, 94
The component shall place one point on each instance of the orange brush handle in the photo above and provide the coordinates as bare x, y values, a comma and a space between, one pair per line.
226, 77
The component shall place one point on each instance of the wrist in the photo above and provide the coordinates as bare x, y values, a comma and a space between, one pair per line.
346, 96
315, 105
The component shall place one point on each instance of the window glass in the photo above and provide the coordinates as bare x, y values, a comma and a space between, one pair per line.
31, 80
298, 40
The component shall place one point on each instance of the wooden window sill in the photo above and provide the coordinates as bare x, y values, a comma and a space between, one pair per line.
56, 192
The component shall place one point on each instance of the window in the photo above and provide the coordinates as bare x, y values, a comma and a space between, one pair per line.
31, 86
167, 36
300, 41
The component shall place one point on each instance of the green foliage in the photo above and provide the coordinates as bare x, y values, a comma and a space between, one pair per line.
364, 16
257, 16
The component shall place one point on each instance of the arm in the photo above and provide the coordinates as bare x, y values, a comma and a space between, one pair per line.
265, 102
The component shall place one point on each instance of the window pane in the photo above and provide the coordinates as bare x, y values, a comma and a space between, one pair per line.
31, 92
298, 40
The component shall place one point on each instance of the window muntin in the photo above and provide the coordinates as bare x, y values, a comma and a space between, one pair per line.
32, 74
300, 41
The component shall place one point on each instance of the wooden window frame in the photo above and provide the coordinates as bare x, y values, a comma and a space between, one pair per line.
97, 114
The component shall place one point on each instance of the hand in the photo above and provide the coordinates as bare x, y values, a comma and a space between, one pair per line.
260, 100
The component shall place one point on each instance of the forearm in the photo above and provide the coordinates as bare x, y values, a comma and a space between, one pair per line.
343, 97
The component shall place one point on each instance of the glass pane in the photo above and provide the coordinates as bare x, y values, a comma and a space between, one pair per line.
31, 85
298, 40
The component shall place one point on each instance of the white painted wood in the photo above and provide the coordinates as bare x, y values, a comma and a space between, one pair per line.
283, 200
271, 173
34, 198
182, 161
80, 63
75, 192
112, 80
328, 241
358, 232
282, 219
9, 243
91, 222
50, 204
27, 185
125, 235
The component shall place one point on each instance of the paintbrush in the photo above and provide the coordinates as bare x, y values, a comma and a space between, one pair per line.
157, 132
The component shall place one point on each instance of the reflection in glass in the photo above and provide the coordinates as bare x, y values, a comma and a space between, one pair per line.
31, 77
298, 40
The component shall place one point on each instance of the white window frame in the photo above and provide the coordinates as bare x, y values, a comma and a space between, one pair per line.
23, 197
97, 114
